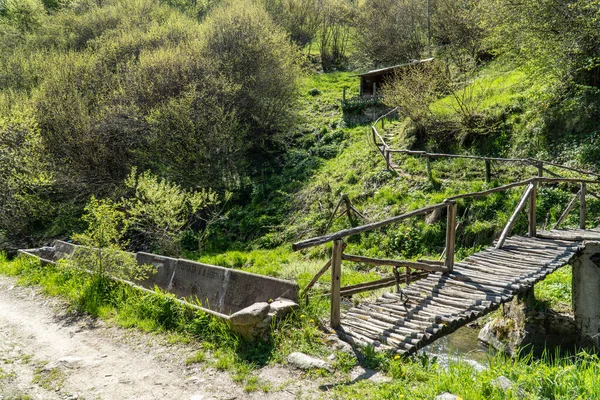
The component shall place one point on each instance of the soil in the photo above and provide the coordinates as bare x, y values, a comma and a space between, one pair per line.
48, 353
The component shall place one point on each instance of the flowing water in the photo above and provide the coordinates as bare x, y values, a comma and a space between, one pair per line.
461, 345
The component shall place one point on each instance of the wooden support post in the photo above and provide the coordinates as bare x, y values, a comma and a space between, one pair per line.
513, 219
344, 94
450, 235
567, 210
336, 275
582, 209
532, 211
397, 278
374, 89
488, 171
388, 158
428, 165
540, 168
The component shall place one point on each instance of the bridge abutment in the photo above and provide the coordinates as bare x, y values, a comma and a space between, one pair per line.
586, 292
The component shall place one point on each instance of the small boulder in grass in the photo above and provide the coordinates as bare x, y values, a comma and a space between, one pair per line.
447, 396
282, 307
306, 362
250, 315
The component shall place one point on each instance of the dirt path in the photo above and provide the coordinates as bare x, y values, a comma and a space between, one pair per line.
46, 354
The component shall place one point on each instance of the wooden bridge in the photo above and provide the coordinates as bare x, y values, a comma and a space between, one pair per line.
439, 297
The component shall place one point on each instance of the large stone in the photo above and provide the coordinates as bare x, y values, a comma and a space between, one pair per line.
251, 315
306, 362
282, 307
526, 324
506, 385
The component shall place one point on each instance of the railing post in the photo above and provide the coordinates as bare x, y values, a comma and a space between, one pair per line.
540, 166
532, 211
488, 171
450, 235
582, 208
374, 135
428, 165
388, 158
336, 275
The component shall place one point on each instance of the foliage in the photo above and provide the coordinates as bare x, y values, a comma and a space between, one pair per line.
391, 32
159, 212
103, 254
24, 176
300, 18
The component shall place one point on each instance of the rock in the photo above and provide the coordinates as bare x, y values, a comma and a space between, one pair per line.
282, 307
337, 344
488, 337
331, 357
506, 385
250, 315
65, 362
305, 362
525, 325
447, 396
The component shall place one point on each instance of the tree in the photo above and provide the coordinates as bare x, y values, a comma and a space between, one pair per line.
159, 212
300, 18
25, 178
391, 32
334, 33
254, 54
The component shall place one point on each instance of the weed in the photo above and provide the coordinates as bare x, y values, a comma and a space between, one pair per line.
49, 380
198, 357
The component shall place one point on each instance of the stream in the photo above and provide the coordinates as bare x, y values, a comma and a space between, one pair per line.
460, 345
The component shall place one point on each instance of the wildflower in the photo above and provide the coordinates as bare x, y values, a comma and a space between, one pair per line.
396, 357
302, 316
312, 321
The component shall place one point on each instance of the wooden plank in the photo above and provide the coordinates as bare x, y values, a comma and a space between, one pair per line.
336, 275
532, 212
364, 228
567, 210
318, 276
394, 263
582, 208
465, 288
450, 235
513, 219
493, 190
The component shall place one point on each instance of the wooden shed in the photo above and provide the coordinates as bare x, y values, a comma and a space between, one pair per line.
371, 82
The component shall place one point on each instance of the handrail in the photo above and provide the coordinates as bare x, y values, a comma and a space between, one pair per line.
304, 244
531, 161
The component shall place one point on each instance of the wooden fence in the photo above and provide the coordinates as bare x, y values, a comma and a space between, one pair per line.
387, 152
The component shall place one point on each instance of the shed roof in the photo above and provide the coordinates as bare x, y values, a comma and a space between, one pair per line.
385, 70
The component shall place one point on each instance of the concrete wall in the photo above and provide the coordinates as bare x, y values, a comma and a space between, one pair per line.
586, 291
219, 289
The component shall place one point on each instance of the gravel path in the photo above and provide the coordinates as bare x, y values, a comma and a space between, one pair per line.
45, 353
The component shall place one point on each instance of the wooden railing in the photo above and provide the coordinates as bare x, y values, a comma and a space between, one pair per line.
387, 151
529, 198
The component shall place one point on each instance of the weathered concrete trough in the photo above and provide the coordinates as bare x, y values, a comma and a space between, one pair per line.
248, 301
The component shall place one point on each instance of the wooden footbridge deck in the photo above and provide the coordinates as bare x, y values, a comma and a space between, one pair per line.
443, 296
439, 304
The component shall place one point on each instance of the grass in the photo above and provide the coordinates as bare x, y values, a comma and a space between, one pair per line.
49, 380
